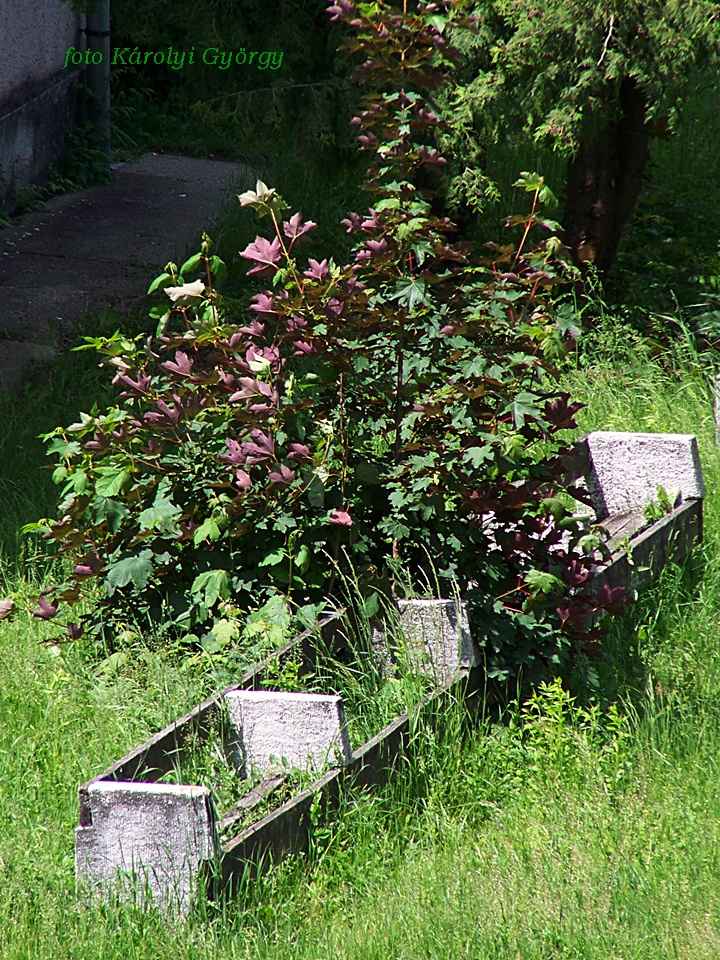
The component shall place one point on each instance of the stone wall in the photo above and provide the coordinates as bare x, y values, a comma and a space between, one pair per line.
34, 88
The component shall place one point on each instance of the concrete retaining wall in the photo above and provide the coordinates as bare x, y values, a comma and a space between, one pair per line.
34, 88
627, 468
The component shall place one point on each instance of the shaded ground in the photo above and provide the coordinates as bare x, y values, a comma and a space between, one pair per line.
102, 245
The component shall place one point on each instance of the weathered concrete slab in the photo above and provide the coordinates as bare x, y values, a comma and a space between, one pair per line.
147, 842
306, 729
104, 245
626, 469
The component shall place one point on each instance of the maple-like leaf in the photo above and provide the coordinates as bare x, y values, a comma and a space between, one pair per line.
283, 475
316, 271
183, 364
251, 388
45, 610
299, 452
263, 253
235, 453
294, 228
243, 480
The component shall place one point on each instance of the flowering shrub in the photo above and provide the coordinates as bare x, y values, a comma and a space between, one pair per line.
388, 416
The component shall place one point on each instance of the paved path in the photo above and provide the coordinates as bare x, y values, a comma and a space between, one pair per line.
103, 244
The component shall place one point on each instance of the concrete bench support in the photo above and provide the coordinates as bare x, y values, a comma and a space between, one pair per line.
626, 469
306, 729
437, 635
147, 842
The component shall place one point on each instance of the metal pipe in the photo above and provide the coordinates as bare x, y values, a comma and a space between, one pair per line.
98, 71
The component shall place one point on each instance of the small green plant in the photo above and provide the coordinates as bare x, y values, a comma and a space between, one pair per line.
666, 502
560, 737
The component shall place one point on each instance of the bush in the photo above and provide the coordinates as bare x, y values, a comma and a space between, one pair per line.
386, 418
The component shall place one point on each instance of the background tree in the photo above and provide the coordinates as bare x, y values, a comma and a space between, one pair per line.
594, 79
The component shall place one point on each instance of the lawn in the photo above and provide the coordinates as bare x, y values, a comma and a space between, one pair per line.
567, 830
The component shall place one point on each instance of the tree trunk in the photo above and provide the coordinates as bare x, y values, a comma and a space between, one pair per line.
604, 182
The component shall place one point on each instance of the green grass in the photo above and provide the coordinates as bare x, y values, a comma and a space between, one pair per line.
564, 832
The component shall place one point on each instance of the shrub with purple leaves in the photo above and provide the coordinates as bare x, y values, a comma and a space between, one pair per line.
394, 419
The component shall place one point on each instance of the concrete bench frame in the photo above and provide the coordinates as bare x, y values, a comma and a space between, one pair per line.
128, 788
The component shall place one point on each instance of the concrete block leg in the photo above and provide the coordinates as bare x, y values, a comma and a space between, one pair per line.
437, 634
147, 842
627, 468
307, 730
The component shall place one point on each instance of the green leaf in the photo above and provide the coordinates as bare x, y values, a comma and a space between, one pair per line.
668, 498
388, 203
192, 264
371, 605
567, 321
554, 506
410, 292
109, 481
524, 405
540, 581
316, 491
437, 21
208, 530
513, 445
136, 570
213, 585
367, 473
40, 526
77, 482
63, 448
110, 511
159, 283
272, 559
224, 632
478, 455
422, 248
272, 621
218, 269
302, 560
160, 516
530, 181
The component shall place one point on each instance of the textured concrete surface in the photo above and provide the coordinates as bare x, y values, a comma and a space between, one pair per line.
306, 729
104, 245
437, 635
35, 35
34, 88
147, 843
627, 468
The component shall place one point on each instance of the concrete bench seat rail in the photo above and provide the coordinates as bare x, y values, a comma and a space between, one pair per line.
138, 836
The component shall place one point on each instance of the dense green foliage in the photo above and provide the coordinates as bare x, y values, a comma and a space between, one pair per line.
555, 69
594, 81
296, 100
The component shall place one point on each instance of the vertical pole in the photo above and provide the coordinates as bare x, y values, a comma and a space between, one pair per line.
98, 71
